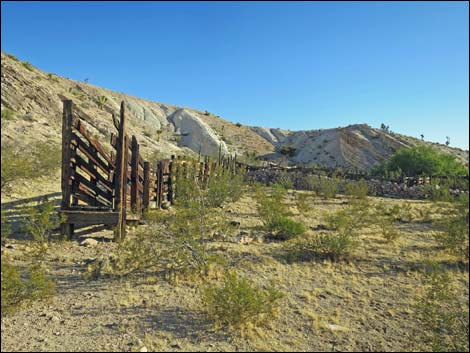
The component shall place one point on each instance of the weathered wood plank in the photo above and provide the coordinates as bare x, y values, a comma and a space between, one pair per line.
86, 134
120, 178
94, 189
134, 174
79, 162
90, 217
90, 154
66, 229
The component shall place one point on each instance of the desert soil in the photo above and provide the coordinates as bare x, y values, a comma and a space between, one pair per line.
364, 304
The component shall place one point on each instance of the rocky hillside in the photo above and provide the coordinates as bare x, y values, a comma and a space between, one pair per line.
33, 98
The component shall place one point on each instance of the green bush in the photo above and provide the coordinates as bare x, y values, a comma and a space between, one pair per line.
238, 302
454, 229
443, 314
384, 218
358, 190
302, 203
328, 187
422, 160
28, 66
274, 213
7, 114
41, 221
17, 291
287, 228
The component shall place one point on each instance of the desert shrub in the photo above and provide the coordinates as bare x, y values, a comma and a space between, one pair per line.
422, 160
454, 229
438, 191
443, 314
101, 101
284, 180
328, 187
274, 213
302, 203
384, 217
41, 220
288, 151
27, 162
180, 248
346, 224
27, 65
238, 302
287, 228
357, 190
17, 290
7, 114
333, 246
238, 125
223, 187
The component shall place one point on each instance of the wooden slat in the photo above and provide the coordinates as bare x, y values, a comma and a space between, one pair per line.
66, 230
84, 194
86, 134
79, 162
91, 217
92, 156
94, 189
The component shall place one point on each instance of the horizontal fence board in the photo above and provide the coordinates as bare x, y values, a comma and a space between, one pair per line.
90, 217
79, 162
86, 134
91, 155
93, 188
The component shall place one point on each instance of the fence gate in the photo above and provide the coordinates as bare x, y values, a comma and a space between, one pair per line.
96, 184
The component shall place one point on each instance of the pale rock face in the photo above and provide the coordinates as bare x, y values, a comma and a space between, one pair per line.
274, 136
196, 133
156, 117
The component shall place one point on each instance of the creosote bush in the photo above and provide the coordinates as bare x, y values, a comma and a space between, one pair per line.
17, 290
179, 250
274, 214
238, 302
453, 233
328, 187
443, 314
357, 189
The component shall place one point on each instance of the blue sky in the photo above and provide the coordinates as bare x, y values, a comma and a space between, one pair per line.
293, 65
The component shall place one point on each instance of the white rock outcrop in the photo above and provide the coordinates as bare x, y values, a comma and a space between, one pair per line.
196, 134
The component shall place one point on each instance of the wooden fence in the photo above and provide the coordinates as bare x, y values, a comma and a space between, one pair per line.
108, 189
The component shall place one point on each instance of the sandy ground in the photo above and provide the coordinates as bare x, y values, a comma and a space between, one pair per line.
365, 304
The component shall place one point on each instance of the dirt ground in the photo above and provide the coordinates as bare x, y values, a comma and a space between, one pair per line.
364, 304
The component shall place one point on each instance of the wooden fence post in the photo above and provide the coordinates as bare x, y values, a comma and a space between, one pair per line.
121, 177
171, 169
66, 229
134, 174
146, 196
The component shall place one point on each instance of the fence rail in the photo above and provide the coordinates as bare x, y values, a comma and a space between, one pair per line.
101, 188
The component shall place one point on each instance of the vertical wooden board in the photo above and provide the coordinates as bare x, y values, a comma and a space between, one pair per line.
134, 173
146, 193
67, 117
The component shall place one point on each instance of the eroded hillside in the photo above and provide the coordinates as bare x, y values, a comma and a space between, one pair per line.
34, 98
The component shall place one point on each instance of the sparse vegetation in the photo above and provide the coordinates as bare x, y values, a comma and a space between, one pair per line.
7, 114
27, 162
27, 65
274, 214
453, 234
443, 314
238, 302
101, 101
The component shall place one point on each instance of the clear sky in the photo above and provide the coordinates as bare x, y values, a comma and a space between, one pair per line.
293, 65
